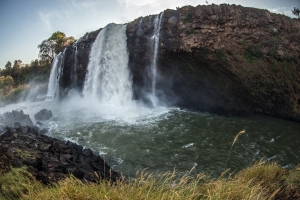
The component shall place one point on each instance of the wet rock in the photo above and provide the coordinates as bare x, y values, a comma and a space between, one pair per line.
43, 131
10, 118
49, 159
43, 115
39, 123
5, 134
86, 152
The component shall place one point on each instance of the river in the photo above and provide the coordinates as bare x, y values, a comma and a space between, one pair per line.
134, 137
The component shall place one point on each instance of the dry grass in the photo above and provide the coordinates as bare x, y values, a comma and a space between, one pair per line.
234, 141
260, 181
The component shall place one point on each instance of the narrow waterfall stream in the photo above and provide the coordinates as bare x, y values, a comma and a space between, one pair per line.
56, 70
155, 45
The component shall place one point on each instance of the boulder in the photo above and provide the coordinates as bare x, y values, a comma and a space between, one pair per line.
43, 115
50, 159
10, 118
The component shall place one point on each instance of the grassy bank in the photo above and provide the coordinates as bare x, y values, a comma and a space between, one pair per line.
22, 93
259, 181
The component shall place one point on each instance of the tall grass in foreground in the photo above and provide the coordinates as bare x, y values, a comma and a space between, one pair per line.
234, 141
260, 181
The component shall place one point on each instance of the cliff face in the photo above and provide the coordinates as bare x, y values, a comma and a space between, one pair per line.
224, 59
217, 58
76, 60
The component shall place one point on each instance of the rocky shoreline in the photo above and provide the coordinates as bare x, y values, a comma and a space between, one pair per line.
48, 159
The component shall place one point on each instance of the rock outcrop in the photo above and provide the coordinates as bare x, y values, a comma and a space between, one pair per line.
49, 159
10, 118
224, 59
43, 114
75, 64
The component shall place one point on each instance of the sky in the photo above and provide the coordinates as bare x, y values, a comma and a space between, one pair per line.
26, 23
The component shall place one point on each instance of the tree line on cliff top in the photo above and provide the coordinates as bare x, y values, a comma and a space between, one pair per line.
17, 73
16, 78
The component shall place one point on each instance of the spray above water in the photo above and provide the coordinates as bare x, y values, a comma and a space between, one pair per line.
108, 79
56, 71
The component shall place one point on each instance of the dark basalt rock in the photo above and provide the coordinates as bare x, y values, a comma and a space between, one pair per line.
10, 118
43, 115
207, 60
49, 159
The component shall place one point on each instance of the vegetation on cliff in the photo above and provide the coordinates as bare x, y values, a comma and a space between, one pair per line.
17, 79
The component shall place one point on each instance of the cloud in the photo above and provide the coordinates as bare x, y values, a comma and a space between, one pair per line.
46, 18
132, 9
85, 4
282, 10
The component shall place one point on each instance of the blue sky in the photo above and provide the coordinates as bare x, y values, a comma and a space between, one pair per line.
26, 23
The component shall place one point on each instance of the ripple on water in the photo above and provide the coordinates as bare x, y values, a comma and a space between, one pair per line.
164, 138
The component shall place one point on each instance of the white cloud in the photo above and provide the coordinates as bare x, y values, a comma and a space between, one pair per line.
282, 10
46, 18
132, 9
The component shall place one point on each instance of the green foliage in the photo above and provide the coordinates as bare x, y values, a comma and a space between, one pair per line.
274, 53
202, 52
243, 16
296, 12
17, 183
253, 53
221, 22
8, 81
2, 81
53, 45
8, 65
47, 50
188, 17
14, 95
221, 57
274, 68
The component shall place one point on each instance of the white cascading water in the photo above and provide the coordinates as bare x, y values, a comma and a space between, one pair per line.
155, 42
108, 78
74, 77
53, 84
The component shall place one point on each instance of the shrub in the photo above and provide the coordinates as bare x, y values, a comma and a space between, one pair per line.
188, 17
253, 53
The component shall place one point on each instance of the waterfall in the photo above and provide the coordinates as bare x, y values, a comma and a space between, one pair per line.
74, 72
155, 43
108, 78
56, 71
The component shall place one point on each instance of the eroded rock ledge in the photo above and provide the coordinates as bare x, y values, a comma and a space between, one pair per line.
225, 59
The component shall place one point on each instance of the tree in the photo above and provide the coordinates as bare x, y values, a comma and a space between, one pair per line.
16, 71
1, 81
17, 64
47, 48
34, 63
53, 45
296, 12
8, 81
8, 65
